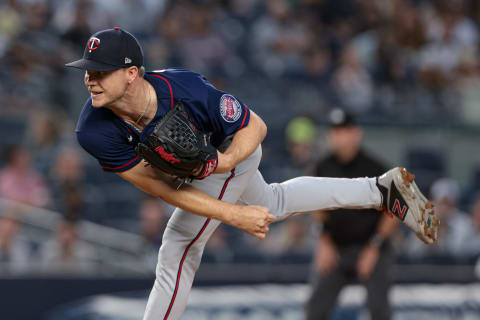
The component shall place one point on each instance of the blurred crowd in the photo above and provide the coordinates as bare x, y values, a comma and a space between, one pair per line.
390, 60
386, 61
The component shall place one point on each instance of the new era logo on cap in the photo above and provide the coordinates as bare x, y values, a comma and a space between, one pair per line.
109, 50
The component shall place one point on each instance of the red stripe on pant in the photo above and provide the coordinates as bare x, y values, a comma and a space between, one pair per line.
179, 273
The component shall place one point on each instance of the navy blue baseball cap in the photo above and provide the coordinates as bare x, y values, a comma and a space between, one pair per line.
109, 50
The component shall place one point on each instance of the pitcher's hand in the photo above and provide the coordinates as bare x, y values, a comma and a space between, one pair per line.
253, 220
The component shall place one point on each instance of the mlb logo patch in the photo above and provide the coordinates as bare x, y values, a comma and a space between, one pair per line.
230, 108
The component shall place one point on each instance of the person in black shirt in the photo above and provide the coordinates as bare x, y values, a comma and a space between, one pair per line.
353, 245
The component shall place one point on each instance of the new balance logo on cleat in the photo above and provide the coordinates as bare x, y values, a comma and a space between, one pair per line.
402, 198
397, 205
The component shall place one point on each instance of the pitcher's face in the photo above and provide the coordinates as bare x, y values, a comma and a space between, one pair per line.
106, 87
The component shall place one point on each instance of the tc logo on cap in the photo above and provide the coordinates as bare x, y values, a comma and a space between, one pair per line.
109, 50
93, 43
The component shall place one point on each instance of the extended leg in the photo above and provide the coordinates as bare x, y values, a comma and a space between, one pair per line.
395, 192
305, 194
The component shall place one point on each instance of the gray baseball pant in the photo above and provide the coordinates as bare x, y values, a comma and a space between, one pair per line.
186, 234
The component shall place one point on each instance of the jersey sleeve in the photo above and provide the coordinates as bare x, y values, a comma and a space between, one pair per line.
113, 155
227, 113
105, 140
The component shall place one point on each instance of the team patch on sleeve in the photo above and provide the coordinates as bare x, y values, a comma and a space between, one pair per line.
230, 108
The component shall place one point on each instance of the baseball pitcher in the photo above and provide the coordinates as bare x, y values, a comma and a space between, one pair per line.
175, 136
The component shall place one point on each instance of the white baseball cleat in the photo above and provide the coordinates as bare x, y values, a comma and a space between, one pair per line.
402, 198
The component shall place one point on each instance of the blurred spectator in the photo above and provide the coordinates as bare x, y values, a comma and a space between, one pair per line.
353, 245
467, 82
39, 33
78, 30
447, 20
163, 47
19, 181
278, 40
409, 30
66, 253
450, 34
455, 226
300, 139
120, 12
332, 21
10, 23
317, 64
245, 10
23, 79
15, 251
352, 82
67, 180
393, 65
201, 47
371, 14
397, 43
437, 61
68, 14
45, 135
